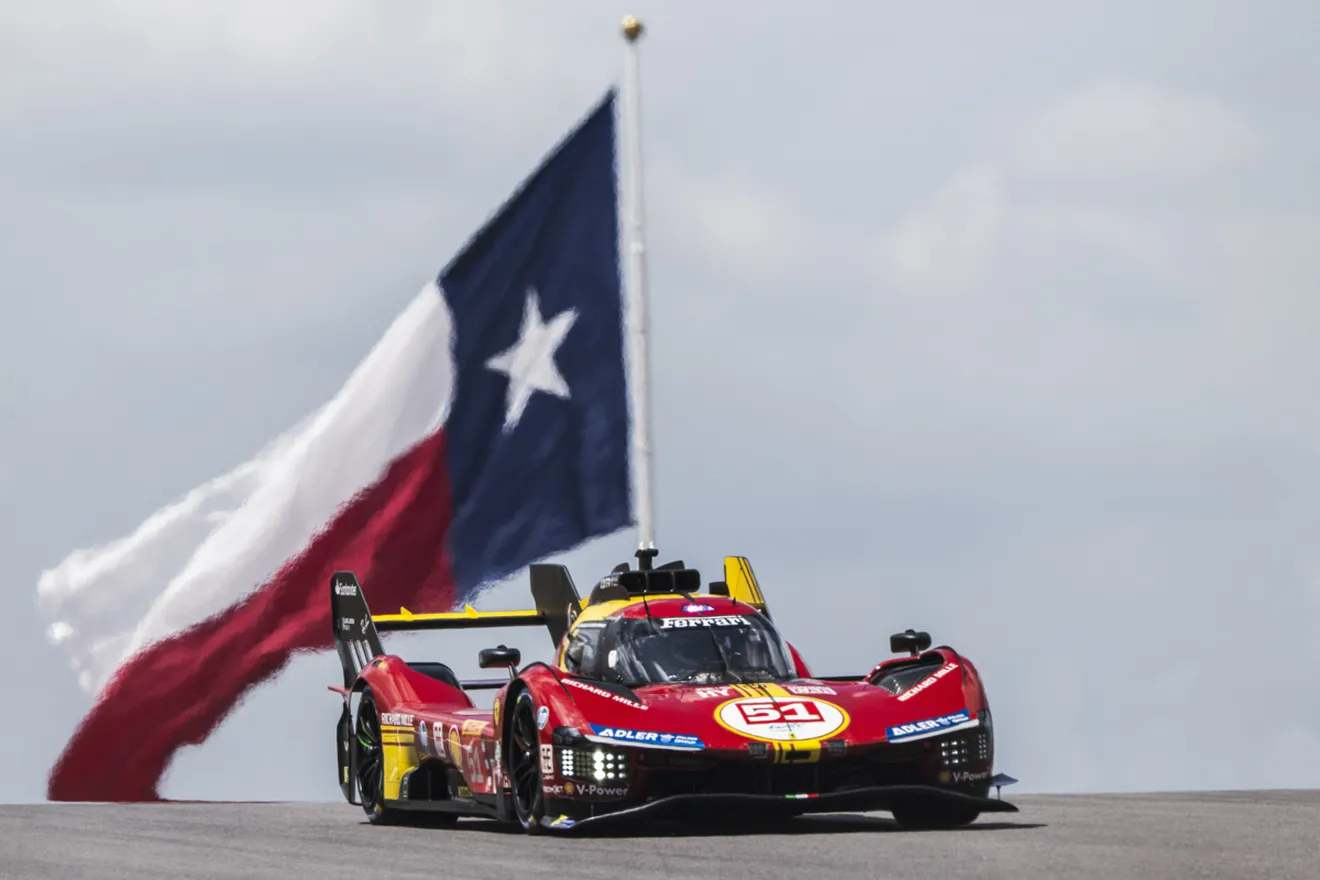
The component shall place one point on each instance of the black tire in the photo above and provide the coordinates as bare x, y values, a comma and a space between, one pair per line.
371, 763
524, 763
934, 816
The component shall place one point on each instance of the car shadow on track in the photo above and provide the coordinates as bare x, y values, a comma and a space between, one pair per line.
833, 823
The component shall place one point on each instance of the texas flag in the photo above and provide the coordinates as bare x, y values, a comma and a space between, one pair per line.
487, 428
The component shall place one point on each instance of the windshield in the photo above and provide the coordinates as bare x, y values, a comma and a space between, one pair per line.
693, 650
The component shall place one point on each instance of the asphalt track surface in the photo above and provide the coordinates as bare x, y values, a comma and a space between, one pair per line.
1274, 834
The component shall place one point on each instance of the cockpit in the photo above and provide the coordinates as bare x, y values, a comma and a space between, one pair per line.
688, 649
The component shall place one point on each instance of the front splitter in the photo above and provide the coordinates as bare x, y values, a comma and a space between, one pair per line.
857, 800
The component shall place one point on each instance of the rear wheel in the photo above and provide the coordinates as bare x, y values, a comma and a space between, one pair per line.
371, 763
525, 764
931, 815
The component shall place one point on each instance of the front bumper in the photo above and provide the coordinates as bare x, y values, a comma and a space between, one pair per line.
857, 800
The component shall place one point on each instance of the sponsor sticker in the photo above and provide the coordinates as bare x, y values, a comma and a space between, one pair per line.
968, 776
592, 790
782, 719
472, 726
809, 689
714, 620
542, 716
929, 726
925, 683
456, 746
672, 740
709, 692
697, 609
397, 719
472, 767
561, 822
601, 692
495, 712
342, 589
421, 732
547, 760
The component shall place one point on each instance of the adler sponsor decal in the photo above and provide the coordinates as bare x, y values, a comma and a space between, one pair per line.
929, 726
918, 688
673, 740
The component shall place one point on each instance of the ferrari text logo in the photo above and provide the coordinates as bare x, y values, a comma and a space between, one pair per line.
721, 620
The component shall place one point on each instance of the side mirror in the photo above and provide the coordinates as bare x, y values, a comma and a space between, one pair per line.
494, 658
909, 640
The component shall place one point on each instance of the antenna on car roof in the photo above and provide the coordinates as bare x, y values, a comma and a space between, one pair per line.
644, 557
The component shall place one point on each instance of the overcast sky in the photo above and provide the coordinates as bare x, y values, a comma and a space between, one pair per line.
995, 320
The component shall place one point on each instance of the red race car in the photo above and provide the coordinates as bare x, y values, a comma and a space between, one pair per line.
664, 700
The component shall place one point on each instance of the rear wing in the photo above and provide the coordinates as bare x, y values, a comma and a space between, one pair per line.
742, 584
357, 632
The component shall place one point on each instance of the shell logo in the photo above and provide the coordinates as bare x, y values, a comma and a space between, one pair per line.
455, 746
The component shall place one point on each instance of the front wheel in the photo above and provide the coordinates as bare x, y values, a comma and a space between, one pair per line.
525, 764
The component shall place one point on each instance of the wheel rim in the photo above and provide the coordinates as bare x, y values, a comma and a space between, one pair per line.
524, 766
371, 763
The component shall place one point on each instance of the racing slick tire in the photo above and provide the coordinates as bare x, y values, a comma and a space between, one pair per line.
371, 763
524, 763
928, 816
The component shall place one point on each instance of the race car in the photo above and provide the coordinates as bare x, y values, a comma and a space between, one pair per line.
664, 700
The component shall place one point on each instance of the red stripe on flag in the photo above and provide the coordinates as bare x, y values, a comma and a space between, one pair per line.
175, 692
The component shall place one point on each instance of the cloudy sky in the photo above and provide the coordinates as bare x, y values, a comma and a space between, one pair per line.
993, 322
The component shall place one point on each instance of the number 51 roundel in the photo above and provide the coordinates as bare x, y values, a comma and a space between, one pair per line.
782, 719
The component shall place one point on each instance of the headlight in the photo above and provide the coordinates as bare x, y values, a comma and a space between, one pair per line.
592, 763
905, 677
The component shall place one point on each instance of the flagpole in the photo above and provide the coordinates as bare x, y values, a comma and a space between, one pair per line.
640, 361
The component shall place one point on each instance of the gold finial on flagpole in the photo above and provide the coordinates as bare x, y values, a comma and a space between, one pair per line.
632, 28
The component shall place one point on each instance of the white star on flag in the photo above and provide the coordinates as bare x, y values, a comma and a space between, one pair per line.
530, 362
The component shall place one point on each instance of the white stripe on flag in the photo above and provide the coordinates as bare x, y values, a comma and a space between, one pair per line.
212, 547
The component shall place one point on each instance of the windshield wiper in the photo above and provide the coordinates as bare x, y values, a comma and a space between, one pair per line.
719, 649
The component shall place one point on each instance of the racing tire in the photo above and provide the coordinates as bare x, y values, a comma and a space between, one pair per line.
927, 816
370, 750
524, 763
